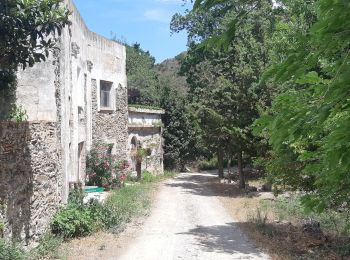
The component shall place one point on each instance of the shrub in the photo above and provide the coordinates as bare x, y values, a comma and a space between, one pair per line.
78, 219
48, 247
330, 220
208, 165
148, 176
169, 174
125, 203
11, 251
73, 221
104, 169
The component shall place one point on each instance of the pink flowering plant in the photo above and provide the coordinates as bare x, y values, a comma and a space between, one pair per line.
104, 169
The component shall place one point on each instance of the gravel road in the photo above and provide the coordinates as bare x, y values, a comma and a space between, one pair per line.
188, 222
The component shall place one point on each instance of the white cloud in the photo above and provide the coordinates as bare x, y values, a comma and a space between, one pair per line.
158, 15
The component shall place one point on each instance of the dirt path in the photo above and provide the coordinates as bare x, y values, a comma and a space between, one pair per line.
188, 222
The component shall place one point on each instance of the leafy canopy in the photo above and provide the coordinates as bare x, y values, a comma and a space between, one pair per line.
27, 30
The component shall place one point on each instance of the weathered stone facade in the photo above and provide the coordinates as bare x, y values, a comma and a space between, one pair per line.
30, 178
145, 130
108, 126
41, 159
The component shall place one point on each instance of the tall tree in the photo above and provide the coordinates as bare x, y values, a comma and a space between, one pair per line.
312, 117
142, 78
223, 82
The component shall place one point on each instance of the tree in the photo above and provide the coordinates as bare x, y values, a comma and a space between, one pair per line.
160, 85
312, 117
27, 31
224, 81
181, 144
142, 78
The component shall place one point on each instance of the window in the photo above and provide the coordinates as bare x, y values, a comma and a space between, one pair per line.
105, 94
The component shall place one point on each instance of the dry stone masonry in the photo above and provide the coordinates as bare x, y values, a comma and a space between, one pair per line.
74, 100
145, 130
30, 178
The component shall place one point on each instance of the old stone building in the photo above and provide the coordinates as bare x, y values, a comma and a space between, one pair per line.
76, 99
145, 131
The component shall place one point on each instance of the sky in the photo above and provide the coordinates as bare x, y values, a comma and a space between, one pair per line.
143, 21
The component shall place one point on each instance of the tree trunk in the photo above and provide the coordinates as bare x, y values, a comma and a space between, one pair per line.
221, 163
229, 172
138, 169
240, 170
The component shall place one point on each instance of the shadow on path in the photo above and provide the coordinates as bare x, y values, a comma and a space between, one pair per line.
223, 239
206, 184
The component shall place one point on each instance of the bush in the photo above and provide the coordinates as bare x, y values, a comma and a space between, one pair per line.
76, 219
73, 221
169, 174
125, 203
212, 164
330, 220
48, 247
104, 169
11, 251
148, 176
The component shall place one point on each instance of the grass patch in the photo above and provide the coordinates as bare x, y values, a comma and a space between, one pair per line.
333, 222
133, 200
278, 226
124, 204
48, 249
11, 251
77, 219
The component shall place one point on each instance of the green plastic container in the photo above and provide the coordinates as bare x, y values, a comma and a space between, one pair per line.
93, 189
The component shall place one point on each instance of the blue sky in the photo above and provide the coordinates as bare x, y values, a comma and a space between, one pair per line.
144, 21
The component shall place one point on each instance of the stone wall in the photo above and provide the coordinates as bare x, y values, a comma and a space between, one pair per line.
111, 127
30, 178
150, 138
145, 128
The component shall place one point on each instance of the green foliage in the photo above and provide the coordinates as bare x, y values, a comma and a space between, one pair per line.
145, 106
48, 248
140, 153
331, 221
28, 30
211, 164
73, 221
181, 143
310, 118
148, 176
78, 219
153, 86
10, 251
124, 204
307, 125
224, 93
142, 79
104, 169
18, 114
169, 174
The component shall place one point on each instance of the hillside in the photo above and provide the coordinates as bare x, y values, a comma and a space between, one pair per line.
168, 74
